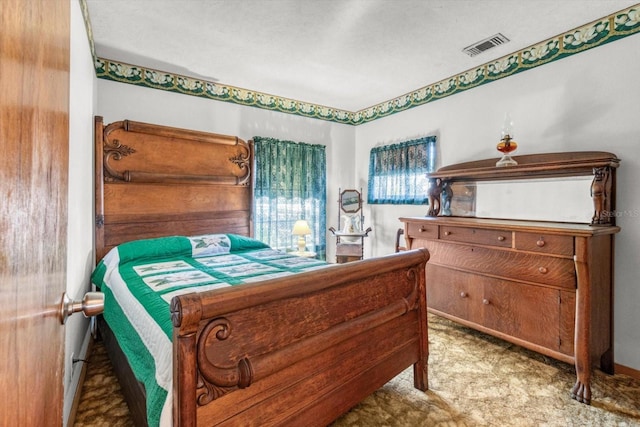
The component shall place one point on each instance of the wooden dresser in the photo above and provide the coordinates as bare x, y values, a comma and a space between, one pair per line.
544, 285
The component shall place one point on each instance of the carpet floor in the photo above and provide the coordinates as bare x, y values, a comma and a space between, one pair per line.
474, 380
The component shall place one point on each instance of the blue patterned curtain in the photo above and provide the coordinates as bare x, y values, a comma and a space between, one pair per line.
291, 184
397, 172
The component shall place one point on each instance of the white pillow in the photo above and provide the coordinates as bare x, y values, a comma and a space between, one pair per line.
209, 244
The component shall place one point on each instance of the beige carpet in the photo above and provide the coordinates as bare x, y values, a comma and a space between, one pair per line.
474, 380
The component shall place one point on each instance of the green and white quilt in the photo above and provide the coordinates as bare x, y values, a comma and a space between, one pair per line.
140, 278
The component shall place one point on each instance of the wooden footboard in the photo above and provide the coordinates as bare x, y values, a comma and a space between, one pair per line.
300, 350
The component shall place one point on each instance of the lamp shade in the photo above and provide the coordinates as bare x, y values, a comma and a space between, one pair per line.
301, 228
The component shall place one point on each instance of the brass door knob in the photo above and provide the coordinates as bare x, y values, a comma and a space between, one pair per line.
91, 305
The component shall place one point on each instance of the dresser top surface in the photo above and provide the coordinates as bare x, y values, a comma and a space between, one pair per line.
517, 225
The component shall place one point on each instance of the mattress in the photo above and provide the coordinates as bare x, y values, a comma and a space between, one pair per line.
140, 278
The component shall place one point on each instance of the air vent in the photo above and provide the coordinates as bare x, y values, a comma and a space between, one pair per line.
485, 44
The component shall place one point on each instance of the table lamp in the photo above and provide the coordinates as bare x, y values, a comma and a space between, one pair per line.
301, 229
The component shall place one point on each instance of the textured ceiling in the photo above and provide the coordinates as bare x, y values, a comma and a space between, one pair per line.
347, 54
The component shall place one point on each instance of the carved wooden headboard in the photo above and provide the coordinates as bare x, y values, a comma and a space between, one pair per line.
154, 181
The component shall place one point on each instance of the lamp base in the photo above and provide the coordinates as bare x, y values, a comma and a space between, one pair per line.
302, 244
506, 160
506, 146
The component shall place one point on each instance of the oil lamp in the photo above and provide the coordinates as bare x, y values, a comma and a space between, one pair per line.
507, 145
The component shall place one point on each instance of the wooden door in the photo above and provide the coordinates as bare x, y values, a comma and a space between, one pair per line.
34, 141
455, 293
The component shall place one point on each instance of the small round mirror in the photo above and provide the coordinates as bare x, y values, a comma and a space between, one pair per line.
350, 201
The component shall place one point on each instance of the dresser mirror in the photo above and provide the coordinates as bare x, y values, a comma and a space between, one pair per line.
559, 187
542, 199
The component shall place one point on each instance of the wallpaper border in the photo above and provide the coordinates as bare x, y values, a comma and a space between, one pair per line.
613, 27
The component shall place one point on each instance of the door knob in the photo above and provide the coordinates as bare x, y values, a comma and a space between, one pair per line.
91, 305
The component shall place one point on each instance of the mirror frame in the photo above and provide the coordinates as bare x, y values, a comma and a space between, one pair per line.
346, 199
599, 165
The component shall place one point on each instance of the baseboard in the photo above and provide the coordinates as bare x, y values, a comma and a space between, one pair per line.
69, 420
625, 370
78, 393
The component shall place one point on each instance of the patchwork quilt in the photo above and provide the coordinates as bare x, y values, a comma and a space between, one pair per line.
140, 278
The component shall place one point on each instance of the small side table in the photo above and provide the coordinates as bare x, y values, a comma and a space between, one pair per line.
349, 246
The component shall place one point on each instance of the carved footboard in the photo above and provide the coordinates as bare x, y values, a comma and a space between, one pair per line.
299, 350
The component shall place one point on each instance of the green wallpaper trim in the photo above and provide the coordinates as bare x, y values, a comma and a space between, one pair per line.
133, 74
605, 30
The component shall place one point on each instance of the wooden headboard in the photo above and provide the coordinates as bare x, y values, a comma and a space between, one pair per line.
154, 181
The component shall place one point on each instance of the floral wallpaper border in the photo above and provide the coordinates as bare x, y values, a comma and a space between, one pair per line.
605, 30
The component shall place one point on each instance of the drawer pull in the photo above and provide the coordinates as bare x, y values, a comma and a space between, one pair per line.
447, 233
501, 238
421, 229
543, 270
540, 242
463, 294
485, 301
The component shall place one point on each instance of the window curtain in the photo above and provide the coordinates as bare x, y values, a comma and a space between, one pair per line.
397, 172
290, 184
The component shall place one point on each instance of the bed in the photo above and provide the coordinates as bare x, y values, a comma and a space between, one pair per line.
289, 349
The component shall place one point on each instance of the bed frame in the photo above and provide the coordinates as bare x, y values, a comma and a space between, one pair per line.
300, 350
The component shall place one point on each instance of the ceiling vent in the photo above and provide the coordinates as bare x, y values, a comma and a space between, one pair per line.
485, 44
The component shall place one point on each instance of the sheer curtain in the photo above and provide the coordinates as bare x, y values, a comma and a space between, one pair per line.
290, 185
397, 172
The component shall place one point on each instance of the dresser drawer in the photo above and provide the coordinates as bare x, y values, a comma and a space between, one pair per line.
480, 236
559, 272
349, 249
544, 243
422, 231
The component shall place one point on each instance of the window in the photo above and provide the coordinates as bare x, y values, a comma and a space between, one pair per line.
290, 185
397, 172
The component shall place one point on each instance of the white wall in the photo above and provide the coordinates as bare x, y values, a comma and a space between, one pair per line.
80, 210
117, 101
586, 102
